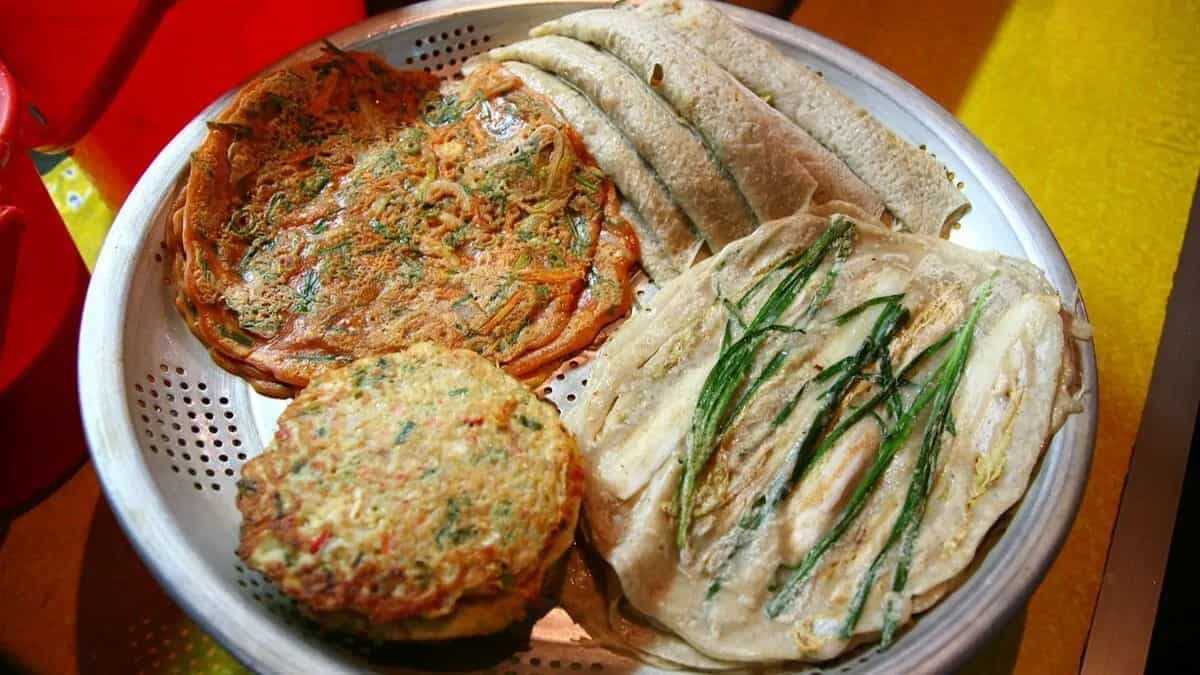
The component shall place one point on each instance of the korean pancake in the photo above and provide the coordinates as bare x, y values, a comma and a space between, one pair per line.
801, 443
438, 519
340, 208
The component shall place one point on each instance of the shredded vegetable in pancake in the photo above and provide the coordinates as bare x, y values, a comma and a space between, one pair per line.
340, 208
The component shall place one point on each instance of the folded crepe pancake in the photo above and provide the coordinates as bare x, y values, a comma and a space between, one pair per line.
803, 441
670, 246
694, 178
778, 167
340, 209
912, 184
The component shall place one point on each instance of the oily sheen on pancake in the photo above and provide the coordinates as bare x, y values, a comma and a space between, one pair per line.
802, 442
438, 519
340, 208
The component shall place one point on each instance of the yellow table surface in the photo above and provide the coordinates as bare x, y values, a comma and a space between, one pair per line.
1094, 106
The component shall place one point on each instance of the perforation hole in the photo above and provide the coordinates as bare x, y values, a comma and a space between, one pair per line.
169, 437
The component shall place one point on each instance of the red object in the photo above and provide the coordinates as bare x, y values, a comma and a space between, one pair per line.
200, 50
42, 284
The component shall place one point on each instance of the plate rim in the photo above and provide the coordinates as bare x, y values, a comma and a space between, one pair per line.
974, 610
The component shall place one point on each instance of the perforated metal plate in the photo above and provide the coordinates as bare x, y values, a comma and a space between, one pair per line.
169, 431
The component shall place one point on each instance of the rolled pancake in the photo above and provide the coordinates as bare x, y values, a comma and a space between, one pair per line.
646, 381
778, 167
701, 187
912, 184
668, 245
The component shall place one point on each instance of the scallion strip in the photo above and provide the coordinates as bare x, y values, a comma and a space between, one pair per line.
923, 475
801, 455
940, 390
891, 444
844, 317
732, 367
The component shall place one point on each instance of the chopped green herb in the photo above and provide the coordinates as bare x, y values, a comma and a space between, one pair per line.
452, 533
581, 234
278, 201
445, 111
588, 183
457, 237
310, 286
529, 423
396, 234
243, 223
340, 247
321, 176
461, 391
235, 335
405, 431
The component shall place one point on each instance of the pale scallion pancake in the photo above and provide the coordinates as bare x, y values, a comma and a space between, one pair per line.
820, 405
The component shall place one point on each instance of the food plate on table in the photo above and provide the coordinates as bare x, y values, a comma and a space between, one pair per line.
821, 422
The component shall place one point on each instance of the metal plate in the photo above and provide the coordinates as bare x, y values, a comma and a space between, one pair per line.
169, 431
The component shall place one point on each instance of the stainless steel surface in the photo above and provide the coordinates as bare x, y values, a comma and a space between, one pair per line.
169, 431
1123, 622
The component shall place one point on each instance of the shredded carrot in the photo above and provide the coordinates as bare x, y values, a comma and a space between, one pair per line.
548, 276
507, 309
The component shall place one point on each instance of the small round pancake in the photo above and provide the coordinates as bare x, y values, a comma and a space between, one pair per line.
341, 208
412, 496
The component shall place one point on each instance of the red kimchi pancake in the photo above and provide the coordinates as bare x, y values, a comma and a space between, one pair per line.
341, 208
